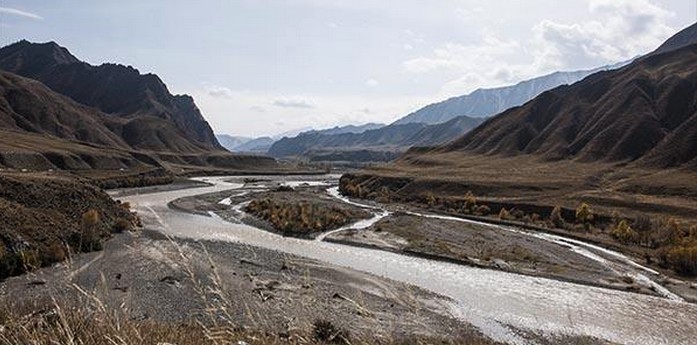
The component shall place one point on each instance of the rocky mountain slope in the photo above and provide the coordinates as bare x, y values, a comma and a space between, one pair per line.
487, 102
684, 38
645, 112
117, 90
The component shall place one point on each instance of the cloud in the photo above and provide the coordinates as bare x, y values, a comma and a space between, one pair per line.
293, 103
619, 30
219, 91
623, 29
20, 13
371, 82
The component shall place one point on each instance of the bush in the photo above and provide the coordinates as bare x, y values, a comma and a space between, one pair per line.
470, 201
584, 215
325, 331
121, 225
300, 218
556, 217
623, 232
504, 214
683, 259
89, 236
482, 210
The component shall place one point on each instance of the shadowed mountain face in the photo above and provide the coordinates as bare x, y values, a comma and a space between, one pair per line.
116, 90
682, 39
644, 112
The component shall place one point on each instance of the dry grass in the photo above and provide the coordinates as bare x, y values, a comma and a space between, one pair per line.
88, 320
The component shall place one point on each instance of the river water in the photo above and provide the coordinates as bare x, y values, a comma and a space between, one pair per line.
488, 299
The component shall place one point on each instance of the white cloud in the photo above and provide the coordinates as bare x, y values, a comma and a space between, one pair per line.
372, 82
618, 31
20, 13
239, 114
622, 29
219, 91
293, 103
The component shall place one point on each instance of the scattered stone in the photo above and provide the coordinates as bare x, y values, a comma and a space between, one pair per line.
37, 282
250, 262
171, 280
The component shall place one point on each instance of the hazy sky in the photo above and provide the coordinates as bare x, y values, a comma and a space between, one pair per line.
268, 66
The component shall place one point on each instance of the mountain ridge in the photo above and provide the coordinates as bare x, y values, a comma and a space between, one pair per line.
491, 101
114, 89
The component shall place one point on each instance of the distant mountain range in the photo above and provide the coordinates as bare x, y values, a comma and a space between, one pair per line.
59, 112
644, 113
487, 102
384, 142
432, 125
263, 144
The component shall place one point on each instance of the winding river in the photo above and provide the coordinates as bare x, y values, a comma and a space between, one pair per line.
488, 299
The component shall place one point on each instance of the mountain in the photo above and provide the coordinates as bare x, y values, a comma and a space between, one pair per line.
230, 142
256, 145
356, 129
487, 102
684, 38
388, 139
116, 90
645, 113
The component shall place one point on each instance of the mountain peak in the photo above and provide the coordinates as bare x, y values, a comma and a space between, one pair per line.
26, 52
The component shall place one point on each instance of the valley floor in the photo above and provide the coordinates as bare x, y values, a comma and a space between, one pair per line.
213, 275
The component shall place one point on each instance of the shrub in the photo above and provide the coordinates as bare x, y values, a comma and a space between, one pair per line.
556, 217
284, 189
89, 238
482, 210
584, 215
121, 225
517, 214
470, 201
683, 259
56, 252
431, 199
29, 259
504, 214
623, 232
325, 331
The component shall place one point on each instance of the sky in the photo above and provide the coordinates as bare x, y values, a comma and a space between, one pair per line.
263, 67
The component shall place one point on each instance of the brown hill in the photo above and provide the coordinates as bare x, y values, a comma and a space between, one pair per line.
645, 112
116, 90
41, 129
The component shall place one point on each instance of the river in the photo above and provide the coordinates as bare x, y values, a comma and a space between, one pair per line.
488, 299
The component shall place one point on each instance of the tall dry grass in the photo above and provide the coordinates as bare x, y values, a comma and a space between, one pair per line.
85, 319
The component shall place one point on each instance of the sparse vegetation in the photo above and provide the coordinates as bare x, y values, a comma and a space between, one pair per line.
556, 218
43, 220
584, 215
302, 218
623, 232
